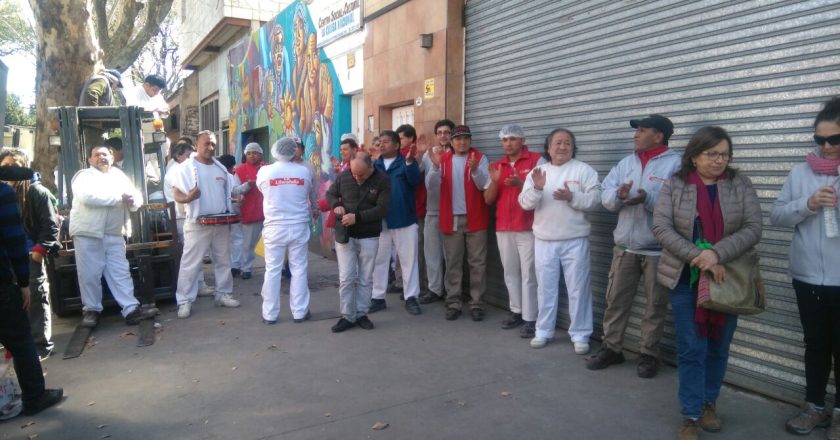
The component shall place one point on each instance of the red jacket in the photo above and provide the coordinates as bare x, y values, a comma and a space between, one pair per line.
252, 203
477, 211
509, 214
419, 191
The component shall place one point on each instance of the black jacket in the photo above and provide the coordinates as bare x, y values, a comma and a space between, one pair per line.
41, 224
369, 201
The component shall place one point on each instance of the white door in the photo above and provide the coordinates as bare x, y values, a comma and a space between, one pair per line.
402, 115
358, 115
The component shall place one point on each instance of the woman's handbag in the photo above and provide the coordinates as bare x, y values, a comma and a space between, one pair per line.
741, 293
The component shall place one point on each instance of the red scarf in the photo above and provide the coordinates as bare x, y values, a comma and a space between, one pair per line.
709, 323
646, 155
821, 165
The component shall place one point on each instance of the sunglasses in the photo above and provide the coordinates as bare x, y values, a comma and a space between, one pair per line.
832, 140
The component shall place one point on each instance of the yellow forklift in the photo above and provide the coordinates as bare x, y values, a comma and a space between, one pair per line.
152, 246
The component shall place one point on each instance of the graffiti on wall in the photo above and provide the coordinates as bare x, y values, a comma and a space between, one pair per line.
281, 81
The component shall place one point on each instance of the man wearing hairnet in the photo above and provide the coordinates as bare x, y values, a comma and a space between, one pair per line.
285, 187
251, 207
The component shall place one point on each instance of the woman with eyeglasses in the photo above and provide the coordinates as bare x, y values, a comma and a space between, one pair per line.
706, 215
807, 202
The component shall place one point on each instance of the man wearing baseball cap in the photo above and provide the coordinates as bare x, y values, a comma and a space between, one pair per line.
464, 216
513, 228
251, 206
631, 189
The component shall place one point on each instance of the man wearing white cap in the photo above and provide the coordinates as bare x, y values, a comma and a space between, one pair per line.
251, 207
285, 187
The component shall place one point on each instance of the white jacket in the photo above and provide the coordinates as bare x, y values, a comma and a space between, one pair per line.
558, 219
98, 209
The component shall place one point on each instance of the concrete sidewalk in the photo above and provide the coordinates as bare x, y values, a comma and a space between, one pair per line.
222, 374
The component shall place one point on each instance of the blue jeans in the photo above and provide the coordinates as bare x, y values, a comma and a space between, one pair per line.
701, 362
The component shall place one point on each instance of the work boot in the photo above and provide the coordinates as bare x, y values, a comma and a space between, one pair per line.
512, 321
376, 305
647, 366
477, 314
227, 300
235, 272
452, 314
246, 275
342, 325
709, 421
412, 307
689, 430
808, 418
430, 297
528, 329
604, 358
364, 323
833, 433
47, 399
139, 314
90, 318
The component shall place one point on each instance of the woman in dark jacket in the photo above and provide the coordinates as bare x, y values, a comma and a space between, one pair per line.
40, 221
705, 199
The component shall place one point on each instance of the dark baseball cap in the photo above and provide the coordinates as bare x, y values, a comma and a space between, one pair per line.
659, 122
461, 130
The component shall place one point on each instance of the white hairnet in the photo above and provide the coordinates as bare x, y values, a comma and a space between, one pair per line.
253, 146
284, 149
511, 131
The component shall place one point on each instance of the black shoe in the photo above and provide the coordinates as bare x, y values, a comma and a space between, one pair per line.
477, 314
90, 319
364, 323
513, 320
139, 314
430, 297
305, 317
235, 272
269, 321
647, 366
376, 305
452, 314
412, 307
528, 330
604, 358
342, 325
47, 399
246, 275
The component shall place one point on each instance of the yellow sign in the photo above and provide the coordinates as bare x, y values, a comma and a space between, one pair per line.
429, 88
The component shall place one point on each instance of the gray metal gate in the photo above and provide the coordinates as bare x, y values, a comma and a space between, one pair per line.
760, 69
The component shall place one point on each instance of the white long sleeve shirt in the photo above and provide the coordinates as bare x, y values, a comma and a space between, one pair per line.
559, 219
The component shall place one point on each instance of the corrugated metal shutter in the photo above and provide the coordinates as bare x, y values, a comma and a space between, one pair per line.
759, 68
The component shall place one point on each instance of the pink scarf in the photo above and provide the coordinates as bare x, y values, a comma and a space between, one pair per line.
709, 323
821, 165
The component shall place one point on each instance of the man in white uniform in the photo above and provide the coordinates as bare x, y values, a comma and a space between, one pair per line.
285, 187
101, 195
202, 184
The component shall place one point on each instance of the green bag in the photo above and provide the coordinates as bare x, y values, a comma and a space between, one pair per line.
741, 293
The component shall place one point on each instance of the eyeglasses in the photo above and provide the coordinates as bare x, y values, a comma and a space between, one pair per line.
832, 140
715, 156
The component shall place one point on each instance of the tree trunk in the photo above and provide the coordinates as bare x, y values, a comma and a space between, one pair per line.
68, 54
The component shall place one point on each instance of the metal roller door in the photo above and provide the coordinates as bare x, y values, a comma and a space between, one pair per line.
760, 69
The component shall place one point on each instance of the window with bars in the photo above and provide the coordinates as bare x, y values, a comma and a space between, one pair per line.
210, 116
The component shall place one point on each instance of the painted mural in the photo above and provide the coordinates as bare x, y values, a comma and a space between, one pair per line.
281, 81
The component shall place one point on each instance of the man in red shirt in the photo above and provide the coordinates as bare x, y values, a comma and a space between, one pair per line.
513, 227
251, 206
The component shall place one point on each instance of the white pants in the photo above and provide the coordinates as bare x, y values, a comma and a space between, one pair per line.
433, 252
356, 259
516, 250
250, 236
405, 242
573, 257
198, 240
236, 239
200, 283
278, 239
103, 256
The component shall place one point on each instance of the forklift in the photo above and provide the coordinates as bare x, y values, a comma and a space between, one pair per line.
153, 248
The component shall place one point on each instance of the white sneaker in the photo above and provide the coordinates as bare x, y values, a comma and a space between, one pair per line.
184, 310
539, 342
207, 291
226, 300
581, 348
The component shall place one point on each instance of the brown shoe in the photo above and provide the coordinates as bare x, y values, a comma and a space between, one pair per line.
808, 419
709, 421
689, 430
833, 433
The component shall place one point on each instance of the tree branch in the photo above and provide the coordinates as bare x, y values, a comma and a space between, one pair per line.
101, 24
125, 53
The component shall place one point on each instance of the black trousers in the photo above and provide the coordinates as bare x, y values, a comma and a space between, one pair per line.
16, 336
819, 312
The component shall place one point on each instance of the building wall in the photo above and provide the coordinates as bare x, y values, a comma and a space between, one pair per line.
396, 67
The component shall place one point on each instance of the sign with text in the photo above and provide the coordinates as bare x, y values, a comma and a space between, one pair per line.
336, 19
